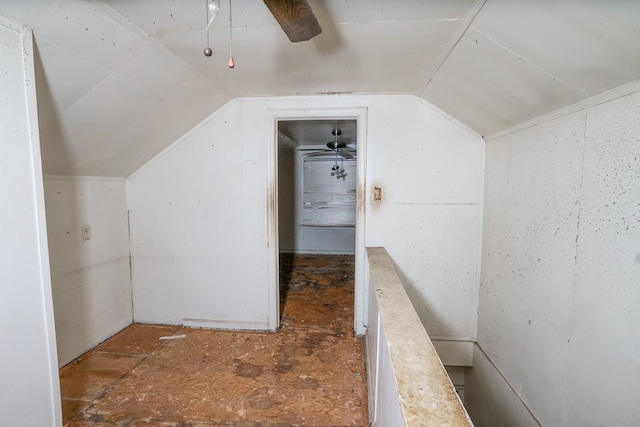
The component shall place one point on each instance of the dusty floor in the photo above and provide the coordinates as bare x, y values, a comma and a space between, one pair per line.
309, 373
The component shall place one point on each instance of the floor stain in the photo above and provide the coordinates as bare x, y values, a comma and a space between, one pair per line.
248, 370
309, 373
307, 382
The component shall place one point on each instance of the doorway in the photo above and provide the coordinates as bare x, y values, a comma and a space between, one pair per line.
317, 197
317, 170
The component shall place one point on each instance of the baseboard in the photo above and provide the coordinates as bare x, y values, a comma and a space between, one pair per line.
225, 324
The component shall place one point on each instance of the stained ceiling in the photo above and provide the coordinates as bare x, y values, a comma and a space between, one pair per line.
120, 80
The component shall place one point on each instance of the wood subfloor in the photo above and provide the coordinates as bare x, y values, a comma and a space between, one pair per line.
309, 373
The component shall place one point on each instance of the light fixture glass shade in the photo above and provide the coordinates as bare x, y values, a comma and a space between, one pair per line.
213, 8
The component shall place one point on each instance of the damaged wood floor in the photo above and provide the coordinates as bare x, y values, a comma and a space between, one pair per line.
309, 373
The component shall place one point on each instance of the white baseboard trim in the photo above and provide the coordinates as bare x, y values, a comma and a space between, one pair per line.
225, 324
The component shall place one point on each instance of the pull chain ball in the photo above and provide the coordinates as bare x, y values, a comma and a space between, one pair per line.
213, 7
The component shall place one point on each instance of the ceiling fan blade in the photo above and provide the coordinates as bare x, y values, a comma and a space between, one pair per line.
316, 152
345, 154
296, 18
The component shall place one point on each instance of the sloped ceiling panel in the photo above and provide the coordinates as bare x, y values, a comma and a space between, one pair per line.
63, 78
157, 17
520, 59
590, 46
128, 118
120, 80
368, 63
365, 47
109, 97
488, 88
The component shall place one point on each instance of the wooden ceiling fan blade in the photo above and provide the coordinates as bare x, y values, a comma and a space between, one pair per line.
296, 18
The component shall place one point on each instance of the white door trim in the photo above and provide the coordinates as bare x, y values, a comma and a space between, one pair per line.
273, 117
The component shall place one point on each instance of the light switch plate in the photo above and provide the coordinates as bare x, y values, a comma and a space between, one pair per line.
377, 194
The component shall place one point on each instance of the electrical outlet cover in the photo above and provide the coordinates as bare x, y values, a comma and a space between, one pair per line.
86, 232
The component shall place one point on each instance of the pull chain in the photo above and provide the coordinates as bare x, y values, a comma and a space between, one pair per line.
213, 7
207, 50
230, 63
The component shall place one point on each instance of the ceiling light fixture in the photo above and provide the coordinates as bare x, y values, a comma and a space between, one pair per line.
336, 170
213, 8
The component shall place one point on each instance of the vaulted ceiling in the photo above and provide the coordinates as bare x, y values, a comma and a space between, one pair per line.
120, 80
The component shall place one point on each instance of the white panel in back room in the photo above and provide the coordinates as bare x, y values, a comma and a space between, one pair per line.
591, 46
488, 88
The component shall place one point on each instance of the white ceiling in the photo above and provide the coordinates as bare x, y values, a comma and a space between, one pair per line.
119, 80
319, 132
315, 134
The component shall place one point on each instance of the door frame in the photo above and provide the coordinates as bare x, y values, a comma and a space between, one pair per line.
340, 113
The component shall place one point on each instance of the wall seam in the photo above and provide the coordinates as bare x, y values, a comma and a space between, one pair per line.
480, 207
130, 262
576, 253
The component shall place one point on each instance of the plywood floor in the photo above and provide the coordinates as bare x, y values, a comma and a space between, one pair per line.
309, 373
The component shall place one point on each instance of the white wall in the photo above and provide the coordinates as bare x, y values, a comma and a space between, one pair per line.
430, 172
199, 213
490, 400
558, 313
198, 226
29, 386
91, 278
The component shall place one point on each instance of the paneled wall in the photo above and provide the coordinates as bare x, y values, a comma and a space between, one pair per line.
90, 274
199, 214
559, 295
429, 170
198, 226
29, 386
